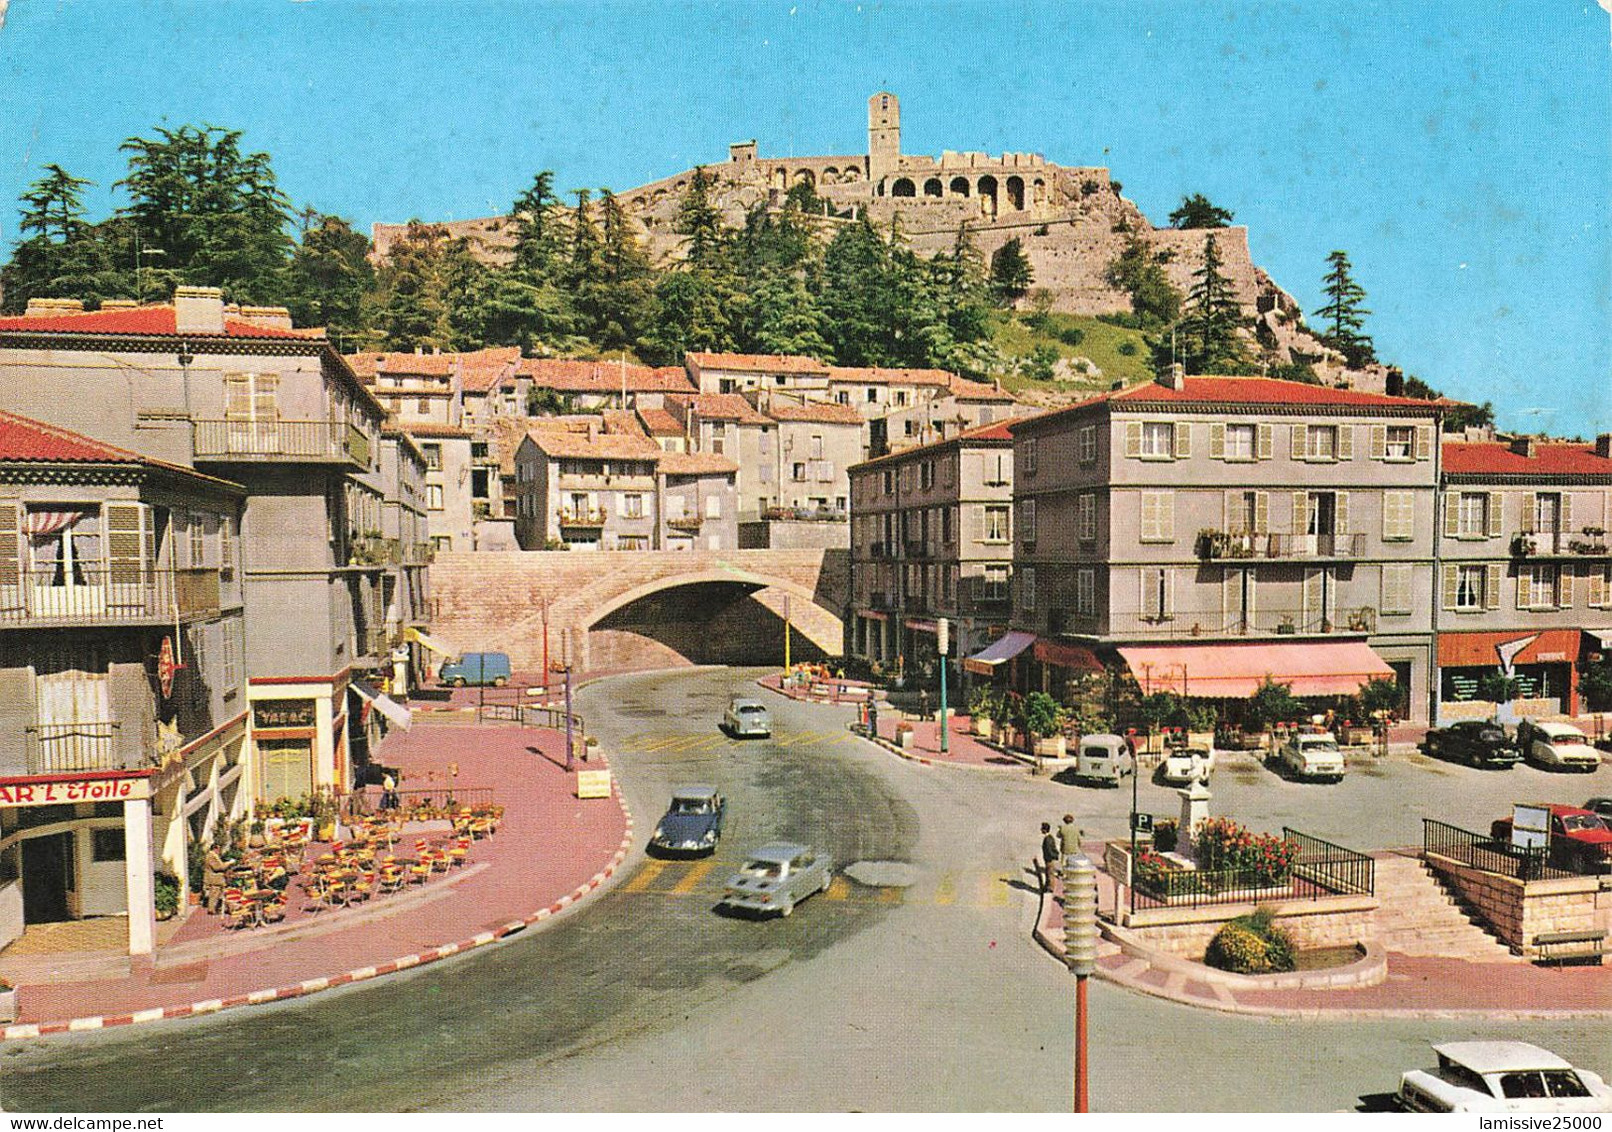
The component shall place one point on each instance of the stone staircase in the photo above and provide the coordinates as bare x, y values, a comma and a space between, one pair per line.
1418, 916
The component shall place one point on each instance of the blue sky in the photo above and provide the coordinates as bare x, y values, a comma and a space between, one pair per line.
1460, 152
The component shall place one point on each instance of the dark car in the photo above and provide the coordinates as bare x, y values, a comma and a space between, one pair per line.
1601, 806
692, 823
1476, 742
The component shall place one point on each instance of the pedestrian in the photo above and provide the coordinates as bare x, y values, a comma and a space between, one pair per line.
388, 791
214, 873
1049, 856
1069, 836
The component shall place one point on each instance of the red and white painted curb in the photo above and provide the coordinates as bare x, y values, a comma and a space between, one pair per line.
358, 975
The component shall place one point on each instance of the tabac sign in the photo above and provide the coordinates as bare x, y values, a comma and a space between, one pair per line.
37, 793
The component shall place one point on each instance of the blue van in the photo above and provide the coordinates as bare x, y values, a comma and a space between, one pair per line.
476, 668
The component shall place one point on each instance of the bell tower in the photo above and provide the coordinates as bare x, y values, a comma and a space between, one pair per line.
884, 134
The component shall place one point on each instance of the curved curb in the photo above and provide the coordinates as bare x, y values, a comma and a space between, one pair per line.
357, 975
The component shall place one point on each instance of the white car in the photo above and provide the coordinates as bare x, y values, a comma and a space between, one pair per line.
1560, 746
1184, 765
747, 718
1312, 756
1501, 1077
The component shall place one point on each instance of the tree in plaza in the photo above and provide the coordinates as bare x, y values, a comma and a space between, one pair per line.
699, 222
1196, 211
216, 213
1345, 312
329, 277
1213, 318
1011, 274
1272, 703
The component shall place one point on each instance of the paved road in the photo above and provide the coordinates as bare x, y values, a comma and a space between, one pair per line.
920, 991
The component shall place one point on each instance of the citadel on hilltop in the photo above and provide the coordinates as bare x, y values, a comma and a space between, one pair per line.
1071, 220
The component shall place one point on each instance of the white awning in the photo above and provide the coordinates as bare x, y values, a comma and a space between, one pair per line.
1004, 648
430, 642
390, 708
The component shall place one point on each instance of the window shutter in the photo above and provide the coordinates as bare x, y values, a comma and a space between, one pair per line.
1217, 441
1597, 594
1379, 442
1262, 440
1449, 586
1346, 442
1525, 576
1312, 594
1300, 523
1491, 587
1182, 432
1262, 512
1495, 516
1452, 513
1564, 586
1169, 591
128, 542
1227, 517
1340, 522
1424, 442
1297, 446
1167, 516
1231, 592
10, 552
1566, 524
1133, 438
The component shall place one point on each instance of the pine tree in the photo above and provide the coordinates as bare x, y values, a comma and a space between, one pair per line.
699, 222
1138, 270
1213, 318
537, 225
329, 276
1345, 312
1197, 211
1011, 274
65, 257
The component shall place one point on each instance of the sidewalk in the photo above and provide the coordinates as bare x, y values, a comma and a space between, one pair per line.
551, 850
1381, 985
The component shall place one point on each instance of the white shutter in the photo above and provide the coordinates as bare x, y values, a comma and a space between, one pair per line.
1379, 442
1525, 578
1182, 433
1452, 513
1491, 586
1346, 442
128, 542
1564, 585
1300, 522
1231, 595
1262, 512
1598, 579
1340, 515
1217, 441
1494, 517
1565, 525
1296, 445
1167, 516
1313, 591
1449, 586
1133, 438
1262, 438
1424, 442
10, 552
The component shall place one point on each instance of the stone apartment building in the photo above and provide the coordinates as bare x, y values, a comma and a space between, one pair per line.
931, 537
1211, 531
242, 396
123, 706
1525, 566
726, 424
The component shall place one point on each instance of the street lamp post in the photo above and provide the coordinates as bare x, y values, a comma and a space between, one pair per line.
570, 740
943, 645
1080, 953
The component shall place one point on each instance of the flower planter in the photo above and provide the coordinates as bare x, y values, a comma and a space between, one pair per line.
8, 1005
1052, 747
983, 728
905, 739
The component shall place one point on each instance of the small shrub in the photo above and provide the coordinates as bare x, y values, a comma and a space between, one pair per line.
1126, 349
1071, 336
167, 894
1166, 835
1251, 945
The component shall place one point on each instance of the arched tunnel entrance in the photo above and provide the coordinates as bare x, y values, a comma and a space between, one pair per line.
702, 623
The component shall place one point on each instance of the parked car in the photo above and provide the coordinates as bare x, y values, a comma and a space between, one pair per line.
1601, 806
1580, 839
693, 821
1102, 760
747, 718
778, 876
1501, 1077
1312, 756
476, 668
1477, 742
1183, 765
1558, 746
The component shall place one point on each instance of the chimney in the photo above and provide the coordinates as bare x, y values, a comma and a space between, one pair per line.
198, 310
1394, 383
270, 318
1603, 445
1116, 385
50, 308
1526, 446
1174, 378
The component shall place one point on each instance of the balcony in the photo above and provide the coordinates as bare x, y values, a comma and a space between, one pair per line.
917, 548
1588, 542
1216, 625
279, 441
575, 517
96, 596
689, 524
805, 514
1214, 546
376, 642
69, 748
877, 550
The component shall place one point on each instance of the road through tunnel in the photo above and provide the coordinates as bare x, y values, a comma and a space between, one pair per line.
709, 622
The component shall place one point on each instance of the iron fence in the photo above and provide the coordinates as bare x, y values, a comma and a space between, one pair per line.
1331, 867
1490, 854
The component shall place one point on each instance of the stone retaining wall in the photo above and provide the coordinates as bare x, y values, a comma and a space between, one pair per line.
1333, 921
1520, 911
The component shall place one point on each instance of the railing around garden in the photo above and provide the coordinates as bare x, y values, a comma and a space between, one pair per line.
1332, 867
1318, 869
1487, 853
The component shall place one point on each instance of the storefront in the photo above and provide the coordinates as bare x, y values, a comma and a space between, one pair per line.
1544, 665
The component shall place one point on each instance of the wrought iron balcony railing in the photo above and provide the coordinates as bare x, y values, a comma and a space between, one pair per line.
89, 595
280, 440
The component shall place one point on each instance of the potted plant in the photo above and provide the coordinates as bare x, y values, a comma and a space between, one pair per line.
1043, 721
904, 735
1285, 626
1002, 711
167, 895
8, 1002
980, 709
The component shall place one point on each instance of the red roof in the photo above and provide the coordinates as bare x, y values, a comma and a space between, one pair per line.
568, 375
880, 375
696, 464
22, 438
719, 407
968, 390
660, 422
815, 412
758, 363
153, 320
1263, 391
1549, 458
481, 371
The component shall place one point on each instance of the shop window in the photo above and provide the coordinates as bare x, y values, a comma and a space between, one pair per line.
107, 845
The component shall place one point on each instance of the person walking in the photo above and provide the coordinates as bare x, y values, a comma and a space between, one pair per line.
1069, 836
1049, 856
214, 873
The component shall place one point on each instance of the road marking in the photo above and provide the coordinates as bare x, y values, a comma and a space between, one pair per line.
646, 876
996, 890
838, 889
946, 893
695, 875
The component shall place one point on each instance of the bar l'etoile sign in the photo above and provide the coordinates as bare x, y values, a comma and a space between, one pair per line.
78, 790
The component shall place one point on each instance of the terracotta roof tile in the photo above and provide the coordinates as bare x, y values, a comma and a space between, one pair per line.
660, 422
966, 390
578, 445
22, 438
758, 363
696, 464
618, 422
568, 375
1549, 458
881, 375
481, 371
152, 320
1263, 391
432, 429
720, 407
817, 412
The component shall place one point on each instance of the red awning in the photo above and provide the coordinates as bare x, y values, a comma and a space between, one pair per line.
1320, 668
1078, 657
919, 625
1477, 650
873, 615
1004, 648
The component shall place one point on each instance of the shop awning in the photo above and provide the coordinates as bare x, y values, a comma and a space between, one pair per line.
1005, 647
920, 625
390, 708
1601, 637
873, 615
431, 643
1062, 655
1477, 650
1319, 668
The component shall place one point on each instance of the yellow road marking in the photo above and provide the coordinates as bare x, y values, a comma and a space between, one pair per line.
646, 876
839, 889
889, 895
695, 875
996, 889
947, 892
